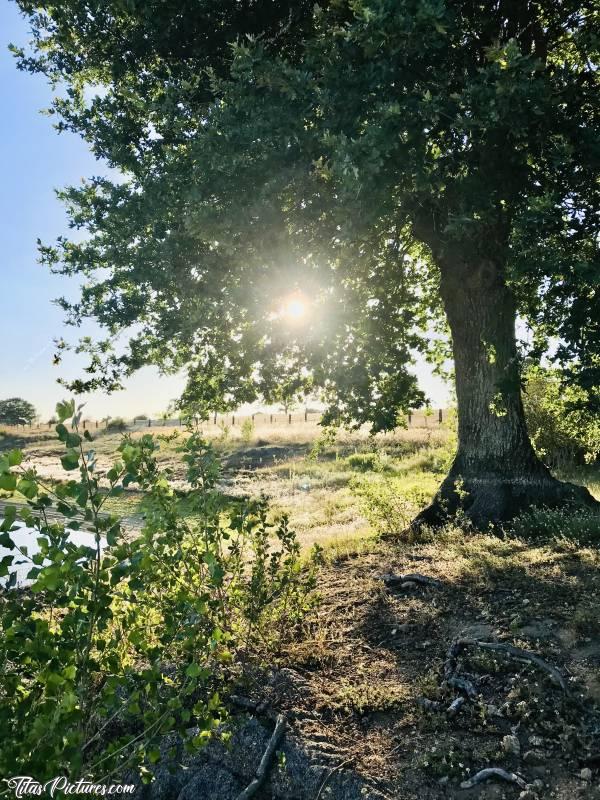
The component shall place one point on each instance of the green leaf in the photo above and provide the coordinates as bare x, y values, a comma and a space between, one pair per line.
193, 670
15, 457
73, 440
27, 488
8, 482
10, 515
65, 409
70, 460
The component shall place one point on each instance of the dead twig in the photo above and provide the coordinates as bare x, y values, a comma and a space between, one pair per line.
265, 762
493, 772
329, 775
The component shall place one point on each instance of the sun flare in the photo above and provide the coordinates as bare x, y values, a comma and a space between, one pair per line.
295, 308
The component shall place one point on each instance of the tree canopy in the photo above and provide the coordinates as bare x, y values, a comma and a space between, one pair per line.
328, 148
16, 411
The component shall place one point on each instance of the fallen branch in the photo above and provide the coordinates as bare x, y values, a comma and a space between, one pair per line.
400, 581
523, 656
493, 772
263, 767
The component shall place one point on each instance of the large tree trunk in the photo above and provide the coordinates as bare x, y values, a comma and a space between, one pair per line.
496, 473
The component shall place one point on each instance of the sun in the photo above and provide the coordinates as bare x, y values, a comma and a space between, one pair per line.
295, 308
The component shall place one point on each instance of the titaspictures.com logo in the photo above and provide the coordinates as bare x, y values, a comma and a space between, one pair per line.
26, 786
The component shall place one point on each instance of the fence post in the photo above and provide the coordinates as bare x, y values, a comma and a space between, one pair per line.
409, 419
96, 423
233, 420
289, 419
84, 424
306, 415
440, 416
271, 420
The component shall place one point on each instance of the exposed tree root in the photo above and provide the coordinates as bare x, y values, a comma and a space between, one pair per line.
463, 685
265, 762
493, 772
408, 580
517, 654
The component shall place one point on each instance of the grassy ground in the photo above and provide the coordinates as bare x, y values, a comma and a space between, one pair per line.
324, 487
370, 656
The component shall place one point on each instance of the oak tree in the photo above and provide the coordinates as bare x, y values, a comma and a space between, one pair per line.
402, 165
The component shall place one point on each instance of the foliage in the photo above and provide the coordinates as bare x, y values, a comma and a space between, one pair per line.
115, 644
326, 148
563, 421
388, 503
247, 431
16, 411
581, 526
116, 424
365, 462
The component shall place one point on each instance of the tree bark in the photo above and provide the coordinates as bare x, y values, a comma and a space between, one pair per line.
496, 474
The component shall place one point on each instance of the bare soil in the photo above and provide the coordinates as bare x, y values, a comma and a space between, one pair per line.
355, 681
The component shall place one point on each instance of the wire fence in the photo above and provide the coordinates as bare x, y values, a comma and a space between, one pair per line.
421, 418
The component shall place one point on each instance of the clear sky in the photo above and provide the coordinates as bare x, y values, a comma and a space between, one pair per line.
34, 161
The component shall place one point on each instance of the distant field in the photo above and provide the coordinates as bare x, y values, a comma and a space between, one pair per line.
339, 492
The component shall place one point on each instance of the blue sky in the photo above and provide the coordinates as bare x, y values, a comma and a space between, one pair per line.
34, 161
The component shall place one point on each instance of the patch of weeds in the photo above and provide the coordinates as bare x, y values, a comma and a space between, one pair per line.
247, 431
544, 524
342, 548
389, 504
586, 619
366, 698
445, 759
366, 462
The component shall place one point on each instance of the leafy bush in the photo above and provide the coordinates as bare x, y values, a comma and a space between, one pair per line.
116, 644
140, 417
563, 425
580, 525
389, 504
116, 424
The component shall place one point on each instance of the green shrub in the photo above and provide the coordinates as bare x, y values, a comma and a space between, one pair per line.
561, 420
390, 504
116, 424
115, 645
542, 524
